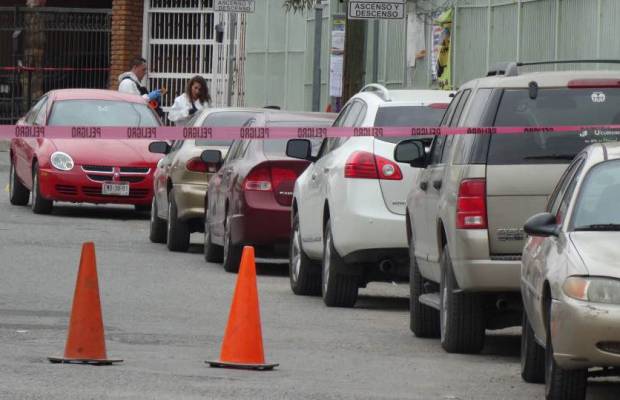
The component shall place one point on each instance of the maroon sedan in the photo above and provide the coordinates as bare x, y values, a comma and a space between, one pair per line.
249, 199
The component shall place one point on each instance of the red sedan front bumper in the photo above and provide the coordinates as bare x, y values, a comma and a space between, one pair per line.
79, 186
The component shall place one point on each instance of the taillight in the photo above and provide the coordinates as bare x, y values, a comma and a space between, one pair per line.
259, 179
365, 165
197, 165
471, 205
277, 179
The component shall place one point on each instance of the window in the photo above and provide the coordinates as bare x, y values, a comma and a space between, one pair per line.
477, 108
599, 197
445, 156
561, 214
41, 114
353, 115
229, 118
30, 119
342, 116
459, 108
552, 106
101, 113
437, 148
562, 187
450, 111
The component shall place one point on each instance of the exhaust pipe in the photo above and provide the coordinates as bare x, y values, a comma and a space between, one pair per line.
386, 265
501, 304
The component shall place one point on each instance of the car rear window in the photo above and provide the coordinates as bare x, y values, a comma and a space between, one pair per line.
220, 143
429, 115
552, 107
101, 113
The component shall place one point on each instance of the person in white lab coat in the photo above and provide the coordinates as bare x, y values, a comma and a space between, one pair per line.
131, 82
195, 98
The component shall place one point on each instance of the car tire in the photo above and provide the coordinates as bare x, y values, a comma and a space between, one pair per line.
18, 193
562, 384
423, 320
304, 273
213, 253
532, 354
40, 205
339, 290
177, 232
232, 253
158, 228
461, 314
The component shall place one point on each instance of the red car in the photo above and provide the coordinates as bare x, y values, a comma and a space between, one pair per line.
82, 170
248, 201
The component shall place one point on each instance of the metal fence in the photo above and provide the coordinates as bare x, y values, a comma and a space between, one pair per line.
48, 48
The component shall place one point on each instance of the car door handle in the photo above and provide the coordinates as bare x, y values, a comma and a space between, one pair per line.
437, 184
424, 185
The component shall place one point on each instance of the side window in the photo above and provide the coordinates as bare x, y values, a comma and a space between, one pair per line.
556, 197
42, 115
354, 113
361, 116
459, 108
559, 217
232, 152
342, 116
176, 145
328, 145
477, 108
437, 148
446, 149
243, 148
34, 112
450, 111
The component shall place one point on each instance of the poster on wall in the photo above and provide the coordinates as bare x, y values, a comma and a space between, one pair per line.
336, 55
440, 55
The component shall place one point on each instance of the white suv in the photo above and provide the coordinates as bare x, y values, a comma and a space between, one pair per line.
348, 212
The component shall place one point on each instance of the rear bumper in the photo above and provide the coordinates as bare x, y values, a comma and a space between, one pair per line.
190, 201
262, 221
360, 220
75, 186
576, 329
474, 269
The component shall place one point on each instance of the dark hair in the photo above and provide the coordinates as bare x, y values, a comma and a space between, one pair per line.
204, 96
137, 61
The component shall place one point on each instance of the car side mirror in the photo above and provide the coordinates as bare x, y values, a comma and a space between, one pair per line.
159, 147
213, 158
412, 151
299, 148
543, 224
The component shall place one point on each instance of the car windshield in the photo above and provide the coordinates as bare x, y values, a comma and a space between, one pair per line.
429, 115
553, 107
597, 204
101, 113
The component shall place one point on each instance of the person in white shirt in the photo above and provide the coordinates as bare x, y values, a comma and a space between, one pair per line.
195, 98
131, 82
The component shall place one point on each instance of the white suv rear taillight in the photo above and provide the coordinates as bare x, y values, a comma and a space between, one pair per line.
365, 165
471, 205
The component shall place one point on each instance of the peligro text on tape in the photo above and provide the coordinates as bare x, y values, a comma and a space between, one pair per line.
264, 133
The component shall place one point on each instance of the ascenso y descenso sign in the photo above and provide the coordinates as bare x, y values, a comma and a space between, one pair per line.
240, 6
377, 9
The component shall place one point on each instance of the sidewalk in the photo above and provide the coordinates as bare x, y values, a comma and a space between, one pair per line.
4, 145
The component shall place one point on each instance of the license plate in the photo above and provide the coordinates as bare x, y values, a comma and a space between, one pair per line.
115, 188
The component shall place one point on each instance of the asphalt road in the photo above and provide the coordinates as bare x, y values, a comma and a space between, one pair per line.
165, 314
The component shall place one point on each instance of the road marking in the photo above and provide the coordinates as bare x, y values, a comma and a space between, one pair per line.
6, 188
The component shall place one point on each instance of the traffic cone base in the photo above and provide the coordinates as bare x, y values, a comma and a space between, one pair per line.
60, 360
256, 367
86, 339
242, 347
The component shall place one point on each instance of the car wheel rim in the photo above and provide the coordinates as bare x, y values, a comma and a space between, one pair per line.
295, 254
327, 261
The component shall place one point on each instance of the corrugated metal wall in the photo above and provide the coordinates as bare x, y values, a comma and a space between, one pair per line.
280, 59
491, 31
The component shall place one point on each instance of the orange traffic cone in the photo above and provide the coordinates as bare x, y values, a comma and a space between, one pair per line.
243, 341
86, 342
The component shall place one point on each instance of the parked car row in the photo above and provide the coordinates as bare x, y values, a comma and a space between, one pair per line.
490, 230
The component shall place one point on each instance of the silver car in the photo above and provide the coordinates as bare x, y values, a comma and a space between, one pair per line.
570, 278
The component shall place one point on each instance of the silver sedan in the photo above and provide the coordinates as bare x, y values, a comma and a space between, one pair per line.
570, 278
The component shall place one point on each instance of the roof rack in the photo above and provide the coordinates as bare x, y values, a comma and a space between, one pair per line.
379, 90
511, 68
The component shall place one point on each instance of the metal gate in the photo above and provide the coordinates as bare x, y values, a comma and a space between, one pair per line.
48, 48
183, 38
